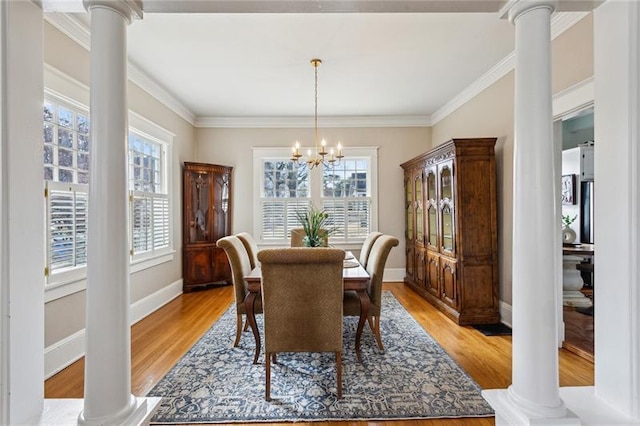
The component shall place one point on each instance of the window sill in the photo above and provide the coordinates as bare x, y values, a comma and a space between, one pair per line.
59, 289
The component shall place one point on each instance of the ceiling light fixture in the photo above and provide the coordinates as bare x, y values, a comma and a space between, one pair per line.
317, 158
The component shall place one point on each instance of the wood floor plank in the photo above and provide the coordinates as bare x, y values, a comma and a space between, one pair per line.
162, 338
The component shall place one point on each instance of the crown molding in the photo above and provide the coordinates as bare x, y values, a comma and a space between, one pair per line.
307, 122
71, 27
485, 81
559, 24
79, 33
146, 83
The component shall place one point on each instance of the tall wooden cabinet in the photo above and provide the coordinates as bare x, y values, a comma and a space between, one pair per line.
451, 229
206, 218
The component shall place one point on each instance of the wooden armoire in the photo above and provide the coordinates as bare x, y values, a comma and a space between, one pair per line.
451, 229
206, 217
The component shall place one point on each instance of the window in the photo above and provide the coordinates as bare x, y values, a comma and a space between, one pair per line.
66, 127
347, 192
149, 198
346, 197
66, 174
285, 191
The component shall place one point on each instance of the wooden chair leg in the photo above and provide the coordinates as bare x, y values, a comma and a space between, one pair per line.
267, 362
371, 325
238, 330
339, 373
376, 331
246, 326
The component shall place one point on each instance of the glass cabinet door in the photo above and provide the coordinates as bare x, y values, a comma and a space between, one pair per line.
419, 208
221, 206
198, 208
447, 207
409, 208
432, 208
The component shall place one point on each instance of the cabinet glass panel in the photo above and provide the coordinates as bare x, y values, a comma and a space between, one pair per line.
446, 183
409, 210
199, 211
432, 216
419, 210
447, 228
431, 185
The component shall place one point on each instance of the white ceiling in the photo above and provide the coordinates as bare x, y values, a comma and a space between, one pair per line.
252, 65
373, 64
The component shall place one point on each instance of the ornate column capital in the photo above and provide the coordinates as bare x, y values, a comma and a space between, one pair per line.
515, 8
129, 9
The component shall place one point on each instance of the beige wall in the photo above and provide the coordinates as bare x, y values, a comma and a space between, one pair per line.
491, 114
232, 147
66, 315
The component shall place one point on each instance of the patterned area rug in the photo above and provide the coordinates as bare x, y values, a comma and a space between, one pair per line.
412, 379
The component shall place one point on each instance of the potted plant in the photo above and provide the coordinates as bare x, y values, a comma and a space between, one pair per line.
568, 234
314, 223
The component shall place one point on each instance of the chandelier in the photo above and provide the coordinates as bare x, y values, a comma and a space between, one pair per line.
320, 155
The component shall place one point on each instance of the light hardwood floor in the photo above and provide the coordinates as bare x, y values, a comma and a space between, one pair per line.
162, 338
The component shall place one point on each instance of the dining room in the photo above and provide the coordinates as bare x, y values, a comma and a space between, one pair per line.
153, 279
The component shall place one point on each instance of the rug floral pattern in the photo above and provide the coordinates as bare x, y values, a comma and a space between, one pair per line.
412, 379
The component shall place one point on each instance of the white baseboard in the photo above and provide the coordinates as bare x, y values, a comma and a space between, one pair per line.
506, 314
65, 352
394, 274
155, 301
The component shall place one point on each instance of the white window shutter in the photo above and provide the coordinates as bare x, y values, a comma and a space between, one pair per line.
67, 212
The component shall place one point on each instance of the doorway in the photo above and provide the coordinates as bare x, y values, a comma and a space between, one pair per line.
578, 228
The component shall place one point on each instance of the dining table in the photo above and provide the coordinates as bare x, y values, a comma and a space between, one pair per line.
355, 278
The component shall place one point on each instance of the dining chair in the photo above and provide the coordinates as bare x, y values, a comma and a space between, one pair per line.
366, 247
375, 268
240, 267
298, 234
302, 302
251, 246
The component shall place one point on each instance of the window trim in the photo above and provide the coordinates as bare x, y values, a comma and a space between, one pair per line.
315, 186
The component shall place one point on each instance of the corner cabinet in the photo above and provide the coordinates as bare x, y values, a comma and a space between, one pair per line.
451, 229
206, 217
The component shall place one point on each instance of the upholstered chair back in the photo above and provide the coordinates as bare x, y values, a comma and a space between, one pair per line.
239, 262
366, 247
375, 267
302, 299
251, 246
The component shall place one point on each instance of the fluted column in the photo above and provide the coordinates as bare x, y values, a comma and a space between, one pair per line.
534, 393
107, 384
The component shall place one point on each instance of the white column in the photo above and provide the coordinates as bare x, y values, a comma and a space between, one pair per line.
107, 383
617, 212
535, 357
22, 228
534, 393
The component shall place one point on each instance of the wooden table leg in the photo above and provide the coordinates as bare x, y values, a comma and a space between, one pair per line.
251, 317
364, 313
